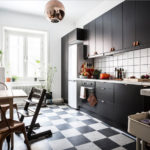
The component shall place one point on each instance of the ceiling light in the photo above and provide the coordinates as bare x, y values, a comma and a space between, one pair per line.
54, 11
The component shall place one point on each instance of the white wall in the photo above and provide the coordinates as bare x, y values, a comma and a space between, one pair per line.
100, 9
55, 32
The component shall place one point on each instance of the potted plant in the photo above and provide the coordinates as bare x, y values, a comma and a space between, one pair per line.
37, 67
14, 78
50, 78
8, 76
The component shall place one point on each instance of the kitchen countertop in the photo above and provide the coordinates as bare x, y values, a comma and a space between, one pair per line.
116, 81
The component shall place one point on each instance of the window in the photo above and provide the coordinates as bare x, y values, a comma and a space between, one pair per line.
24, 53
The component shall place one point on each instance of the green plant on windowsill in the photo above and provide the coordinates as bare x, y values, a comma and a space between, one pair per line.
50, 80
14, 78
37, 67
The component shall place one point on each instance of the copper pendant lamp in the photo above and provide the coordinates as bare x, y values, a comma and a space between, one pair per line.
54, 11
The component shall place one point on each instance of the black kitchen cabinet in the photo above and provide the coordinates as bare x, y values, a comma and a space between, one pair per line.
99, 36
142, 23
107, 31
127, 101
76, 35
128, 24
104, 92
105, 97
91, 38
64, 68
86, 41
117, 28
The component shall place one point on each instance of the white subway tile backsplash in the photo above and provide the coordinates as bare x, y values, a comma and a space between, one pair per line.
130, 69
103, 64
148, 59
130, 54
143, 60
148, 69
119, 57
144, 68
125, 62
130, 62
111, 63
115, 57
120, 63
112, 70
148, 51
137, 53
111, 58
143, 52
136, 69
137, 75
125, 55
134, 62
115, 63
107, 69
107, 63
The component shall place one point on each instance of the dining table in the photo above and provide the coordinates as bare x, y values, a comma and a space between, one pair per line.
7, 97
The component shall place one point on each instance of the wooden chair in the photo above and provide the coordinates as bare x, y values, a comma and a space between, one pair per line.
39, 95
8, 127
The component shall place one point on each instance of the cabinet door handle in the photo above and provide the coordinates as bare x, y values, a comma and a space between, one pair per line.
134, 44
102, 101
102, 88
137, 43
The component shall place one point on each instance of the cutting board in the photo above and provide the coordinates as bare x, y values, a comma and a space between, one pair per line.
137, 80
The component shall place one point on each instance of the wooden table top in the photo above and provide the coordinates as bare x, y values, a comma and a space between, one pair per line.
12, 94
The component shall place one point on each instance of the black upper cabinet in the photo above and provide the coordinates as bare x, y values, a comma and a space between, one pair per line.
75, 35
142, 23
99, 36
117, 28
91, 38
107, 31
128, 24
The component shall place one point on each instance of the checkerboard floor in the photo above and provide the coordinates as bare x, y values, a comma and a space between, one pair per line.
75, 130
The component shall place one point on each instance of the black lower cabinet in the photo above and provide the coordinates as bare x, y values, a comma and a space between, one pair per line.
105, 97
127, 101
106, 110
115, 103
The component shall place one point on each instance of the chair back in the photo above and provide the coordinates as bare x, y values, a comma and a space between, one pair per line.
4, 120
3, 86
35, 93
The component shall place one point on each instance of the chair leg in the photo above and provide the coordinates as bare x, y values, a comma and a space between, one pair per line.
8, 141
26, 138
2, 140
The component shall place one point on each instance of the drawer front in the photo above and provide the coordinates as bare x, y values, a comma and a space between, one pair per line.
104, 91
106, 109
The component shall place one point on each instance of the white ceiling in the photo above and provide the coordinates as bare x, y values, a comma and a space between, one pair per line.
75, 9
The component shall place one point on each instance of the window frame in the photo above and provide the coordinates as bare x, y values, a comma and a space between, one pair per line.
26, 33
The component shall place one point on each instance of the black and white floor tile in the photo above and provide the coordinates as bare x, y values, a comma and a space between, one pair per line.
75, 130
